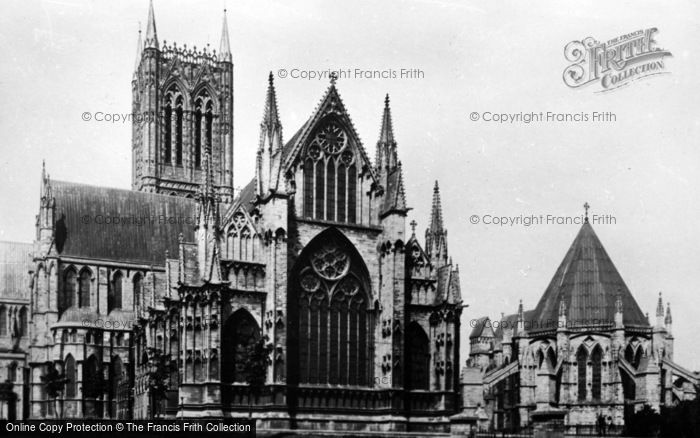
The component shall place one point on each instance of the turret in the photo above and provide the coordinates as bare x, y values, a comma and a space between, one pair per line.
436, 235
668, 320
659, 313
269, 155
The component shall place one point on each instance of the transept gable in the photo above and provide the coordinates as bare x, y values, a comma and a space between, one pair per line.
329, 131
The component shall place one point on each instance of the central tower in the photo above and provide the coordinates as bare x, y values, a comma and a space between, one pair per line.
182, 109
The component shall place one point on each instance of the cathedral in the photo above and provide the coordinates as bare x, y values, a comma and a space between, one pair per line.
148, 302
586, 352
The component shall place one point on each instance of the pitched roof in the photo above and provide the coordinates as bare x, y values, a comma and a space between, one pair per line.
588, 283
482, 326
149, 224
15, 263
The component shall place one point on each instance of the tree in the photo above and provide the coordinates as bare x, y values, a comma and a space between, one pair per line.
55, 382
158, 376
255, 367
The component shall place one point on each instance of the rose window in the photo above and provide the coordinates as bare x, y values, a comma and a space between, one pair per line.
332, 138
330, 263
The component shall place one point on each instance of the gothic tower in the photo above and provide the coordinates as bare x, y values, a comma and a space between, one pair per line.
182, 109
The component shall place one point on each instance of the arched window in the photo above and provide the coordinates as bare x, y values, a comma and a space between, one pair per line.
168, 128
637, 357
240, 332
352, 194
178, 130
209, 120
330, 176
92, 378
552, 358
581, 362
23, 322
597, 365
330, 191
84, 286
332, 313
138, 290
418, 357
320, 189
198, 134
70, 289
114, 295
3, 321
71, 376
309, 188
12, 372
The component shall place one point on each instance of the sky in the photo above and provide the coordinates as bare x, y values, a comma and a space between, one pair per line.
62, 58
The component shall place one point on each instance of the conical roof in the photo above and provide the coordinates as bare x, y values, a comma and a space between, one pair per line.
588, 283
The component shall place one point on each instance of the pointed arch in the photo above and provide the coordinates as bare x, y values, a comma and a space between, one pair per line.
331, 313
23, 321
638, 357
240, 331
92, 378
71, 376
137, 289
551, 358
597, 372
114, 294
84, 284
70, 289
582, 366
418, 357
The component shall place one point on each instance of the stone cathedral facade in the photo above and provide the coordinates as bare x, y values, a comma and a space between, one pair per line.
180, 275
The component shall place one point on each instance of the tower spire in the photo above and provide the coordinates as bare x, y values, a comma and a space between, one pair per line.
225, 46
139, 50
387, 156
269, 150
271, 116
151, 34
436, 214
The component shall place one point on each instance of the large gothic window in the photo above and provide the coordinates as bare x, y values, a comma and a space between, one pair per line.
240, 332
330, 176
418, 357
84, 286
70, 288
333, 316
581, 362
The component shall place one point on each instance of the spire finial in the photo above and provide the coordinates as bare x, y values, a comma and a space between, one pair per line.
225, 46
334, 78
271, 114
660, 306
151, 33
586, 207
413, 226
436, 215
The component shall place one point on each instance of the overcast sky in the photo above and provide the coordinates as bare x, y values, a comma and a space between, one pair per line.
65, 57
